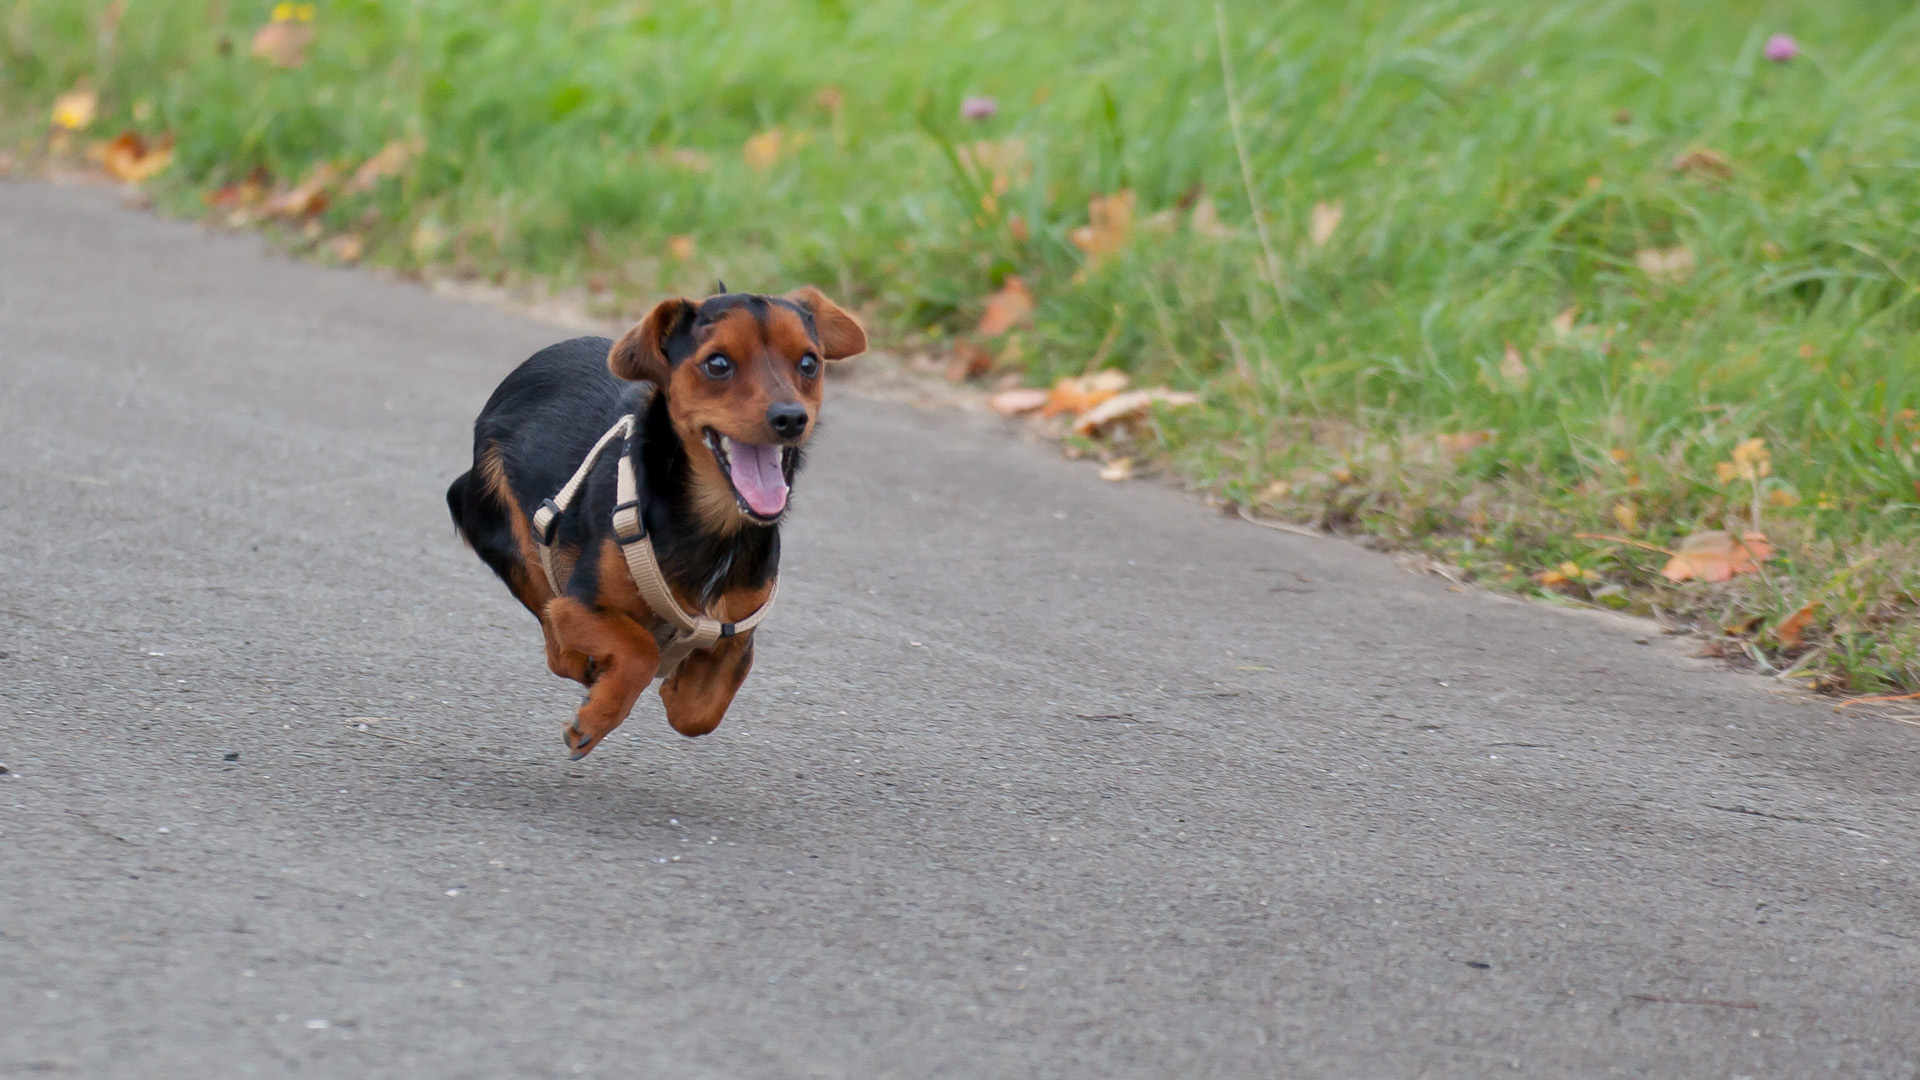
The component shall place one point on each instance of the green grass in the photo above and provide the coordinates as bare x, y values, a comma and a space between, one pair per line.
1496, 165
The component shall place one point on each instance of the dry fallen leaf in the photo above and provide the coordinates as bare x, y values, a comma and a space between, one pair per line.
390, 161
1794, 626
682, 247
683, 158
130, 159
1627, 515
1109, 225
968, 361
243, 195
763, 149
1324, 219
1205, 221
1671, 264
1078, 394
305, 199
1563, 322
1716, 556
1011, 306
283, 42
76, 108
1567, 573
1017, 401
1463, 443
1129, 406
1513, 365
347, 247
1118, 469
1703, 163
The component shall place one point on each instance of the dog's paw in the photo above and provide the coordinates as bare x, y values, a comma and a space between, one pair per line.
579, 742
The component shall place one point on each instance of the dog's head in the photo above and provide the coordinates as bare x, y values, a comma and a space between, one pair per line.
742, 374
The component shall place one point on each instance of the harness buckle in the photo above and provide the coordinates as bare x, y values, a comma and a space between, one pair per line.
552, 510
639, 521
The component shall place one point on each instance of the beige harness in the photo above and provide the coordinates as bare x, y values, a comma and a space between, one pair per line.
684, 632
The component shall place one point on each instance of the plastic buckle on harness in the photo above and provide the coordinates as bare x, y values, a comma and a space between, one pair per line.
639, 522
726, 630
552, 510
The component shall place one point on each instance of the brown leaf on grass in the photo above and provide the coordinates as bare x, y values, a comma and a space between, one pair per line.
1109, 225
1128, 407
1717, 555
1563, 322
1627, 515
1077, 394
1018, 401
1322, 222
75, 109
131, 159
682, 246
1011, 306
1513, 365
1670, 264
1703, 163
1205, 221
305, 199
968, 361
390, 161
763, 149
283, 42
240, 196
1791, 628
1463, 443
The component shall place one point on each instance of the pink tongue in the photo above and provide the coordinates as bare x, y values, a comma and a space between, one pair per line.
757, 477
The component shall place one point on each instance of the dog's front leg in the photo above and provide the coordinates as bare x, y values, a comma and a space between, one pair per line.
698, 693
624, 658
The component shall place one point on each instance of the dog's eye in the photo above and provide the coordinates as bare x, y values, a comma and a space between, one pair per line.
717, 366
809, 366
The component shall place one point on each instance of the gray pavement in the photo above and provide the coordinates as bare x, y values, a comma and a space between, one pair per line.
1036, 776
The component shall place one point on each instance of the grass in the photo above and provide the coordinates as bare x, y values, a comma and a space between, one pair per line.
1499, 345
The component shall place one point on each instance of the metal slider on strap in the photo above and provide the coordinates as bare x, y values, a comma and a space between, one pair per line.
639, 523
546, 520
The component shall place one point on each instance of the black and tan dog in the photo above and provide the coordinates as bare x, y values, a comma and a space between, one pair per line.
738, 379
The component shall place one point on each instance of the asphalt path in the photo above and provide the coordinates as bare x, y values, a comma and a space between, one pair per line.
1035, 776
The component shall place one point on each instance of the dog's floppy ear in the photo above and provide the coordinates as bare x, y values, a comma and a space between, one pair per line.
642, 354
840, 335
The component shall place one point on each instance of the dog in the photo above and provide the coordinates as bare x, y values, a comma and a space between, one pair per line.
726, 393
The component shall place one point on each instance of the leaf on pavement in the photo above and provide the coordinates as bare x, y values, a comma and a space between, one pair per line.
1130, 406
75, 109
1717, 555
968, 361
1117, 470
131, 159
1077, 394
1007, 308
1794, 626
1017, 401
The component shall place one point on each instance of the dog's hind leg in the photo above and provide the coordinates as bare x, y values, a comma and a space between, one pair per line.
624, 659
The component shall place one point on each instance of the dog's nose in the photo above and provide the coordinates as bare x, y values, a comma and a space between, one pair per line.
787, 419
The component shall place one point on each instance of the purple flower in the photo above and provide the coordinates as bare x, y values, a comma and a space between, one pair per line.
1782, 48
979, 108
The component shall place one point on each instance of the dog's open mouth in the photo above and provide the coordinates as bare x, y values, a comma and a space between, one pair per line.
757, 472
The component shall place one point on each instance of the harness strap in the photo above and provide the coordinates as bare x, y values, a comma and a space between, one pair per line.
686, 632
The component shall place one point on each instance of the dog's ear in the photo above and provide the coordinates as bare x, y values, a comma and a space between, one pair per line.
840, 335
642, 354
